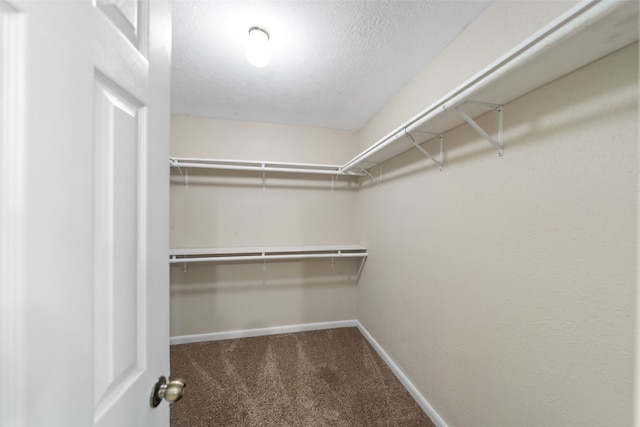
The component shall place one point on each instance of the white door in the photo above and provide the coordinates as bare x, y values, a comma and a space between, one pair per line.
85, 124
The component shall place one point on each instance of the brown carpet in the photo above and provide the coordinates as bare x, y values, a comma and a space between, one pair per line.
322, 378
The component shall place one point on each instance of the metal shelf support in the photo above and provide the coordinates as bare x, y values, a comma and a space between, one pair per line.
373, 178
499, 144
440, 160
185, 175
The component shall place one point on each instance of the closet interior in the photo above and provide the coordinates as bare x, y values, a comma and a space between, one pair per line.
336, 213
585, 34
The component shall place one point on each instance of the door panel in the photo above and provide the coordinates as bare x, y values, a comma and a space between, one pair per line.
130, 17
119, 266
94, 216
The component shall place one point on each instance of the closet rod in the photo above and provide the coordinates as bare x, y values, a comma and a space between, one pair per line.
548, 37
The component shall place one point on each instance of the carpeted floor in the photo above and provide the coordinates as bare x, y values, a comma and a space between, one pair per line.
320, 378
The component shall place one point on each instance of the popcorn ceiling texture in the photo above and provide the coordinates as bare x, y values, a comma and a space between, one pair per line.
335, 63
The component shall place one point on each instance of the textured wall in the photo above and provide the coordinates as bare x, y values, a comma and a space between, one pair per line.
231, 209
505, 287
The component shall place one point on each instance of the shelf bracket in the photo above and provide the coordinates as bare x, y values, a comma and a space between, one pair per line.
440, 160
334, 179
264, 177
364, 260
184, 175
368, 174
499, 144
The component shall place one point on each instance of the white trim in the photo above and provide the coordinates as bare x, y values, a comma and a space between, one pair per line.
636, 400
404, 379
246, 333
13, 330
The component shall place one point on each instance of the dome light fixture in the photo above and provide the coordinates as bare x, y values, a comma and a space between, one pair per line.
257, 47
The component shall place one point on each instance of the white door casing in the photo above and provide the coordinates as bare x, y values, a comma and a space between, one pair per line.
11, 226
87, 251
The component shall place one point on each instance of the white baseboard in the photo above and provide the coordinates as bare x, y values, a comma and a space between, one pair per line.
402, 377
246, 333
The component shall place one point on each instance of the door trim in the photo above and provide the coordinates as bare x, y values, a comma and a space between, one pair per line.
12, 222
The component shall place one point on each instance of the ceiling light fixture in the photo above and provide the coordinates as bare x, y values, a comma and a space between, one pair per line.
257, 48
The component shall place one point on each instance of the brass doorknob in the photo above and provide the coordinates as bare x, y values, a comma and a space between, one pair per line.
171, 392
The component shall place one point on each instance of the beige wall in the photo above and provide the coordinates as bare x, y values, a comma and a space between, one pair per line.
231, 209
505, 287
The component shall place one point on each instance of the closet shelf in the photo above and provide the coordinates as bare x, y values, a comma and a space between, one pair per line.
266, 253
586, 32
260, 166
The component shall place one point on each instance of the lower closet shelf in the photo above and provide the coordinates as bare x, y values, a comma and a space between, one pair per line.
266, 253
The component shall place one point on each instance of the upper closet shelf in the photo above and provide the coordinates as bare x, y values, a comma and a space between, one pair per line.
265, 253
586, 32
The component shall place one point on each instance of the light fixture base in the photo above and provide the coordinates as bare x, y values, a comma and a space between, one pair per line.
257, 49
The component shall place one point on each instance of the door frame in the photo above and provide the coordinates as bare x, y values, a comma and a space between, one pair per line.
12, 191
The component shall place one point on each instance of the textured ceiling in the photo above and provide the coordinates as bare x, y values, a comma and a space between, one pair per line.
334, 65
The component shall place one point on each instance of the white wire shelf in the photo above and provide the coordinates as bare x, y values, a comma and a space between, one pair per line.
268, 253
260, 166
